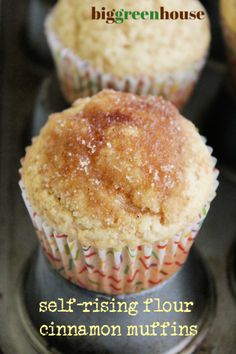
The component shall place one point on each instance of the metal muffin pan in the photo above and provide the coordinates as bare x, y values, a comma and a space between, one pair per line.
18, 242
192, 283
213, 234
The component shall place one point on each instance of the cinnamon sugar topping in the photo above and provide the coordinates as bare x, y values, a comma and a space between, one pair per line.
117, 144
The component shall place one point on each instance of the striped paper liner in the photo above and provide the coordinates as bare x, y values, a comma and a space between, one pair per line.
78, 78
116, 272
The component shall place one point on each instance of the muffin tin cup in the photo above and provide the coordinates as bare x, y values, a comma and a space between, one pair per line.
78, 78
109, 271
230, 41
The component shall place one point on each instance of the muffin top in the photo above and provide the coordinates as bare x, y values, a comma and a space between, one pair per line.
228, 10
136, 46
118, 169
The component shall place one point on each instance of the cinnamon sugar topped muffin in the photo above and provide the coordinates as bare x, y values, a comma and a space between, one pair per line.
135, 46
158, 57
118, 170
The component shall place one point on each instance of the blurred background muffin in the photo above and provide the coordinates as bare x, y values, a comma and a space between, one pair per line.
228, 17
159, 57
118, 187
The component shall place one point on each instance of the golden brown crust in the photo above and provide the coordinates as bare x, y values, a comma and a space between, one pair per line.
116, 48
108, 163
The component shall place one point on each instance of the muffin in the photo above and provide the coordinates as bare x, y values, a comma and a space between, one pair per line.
118, 187
228, 18
158, 57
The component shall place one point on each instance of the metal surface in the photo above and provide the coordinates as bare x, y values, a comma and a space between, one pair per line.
214, 242
49, 100
232, 269
34, 39
222, 117
192, 283
18, 86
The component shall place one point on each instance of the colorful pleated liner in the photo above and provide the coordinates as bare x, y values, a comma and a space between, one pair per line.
115, 272
78, 78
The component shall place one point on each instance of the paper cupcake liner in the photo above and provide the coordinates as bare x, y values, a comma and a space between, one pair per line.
78, 78
115, 272
230, 41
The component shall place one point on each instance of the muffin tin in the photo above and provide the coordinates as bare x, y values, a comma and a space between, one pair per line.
33, 38
212, 108
33, 277
193, 283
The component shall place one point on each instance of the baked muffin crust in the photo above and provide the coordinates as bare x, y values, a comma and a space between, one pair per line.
118, 170
134, 47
